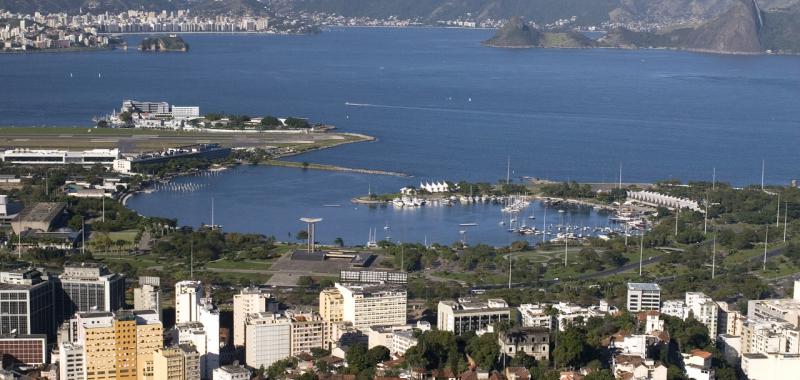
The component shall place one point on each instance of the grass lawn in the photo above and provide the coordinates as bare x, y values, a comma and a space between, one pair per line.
244, 264
128, 235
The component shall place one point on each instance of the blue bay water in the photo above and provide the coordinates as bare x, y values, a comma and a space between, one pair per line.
442, 107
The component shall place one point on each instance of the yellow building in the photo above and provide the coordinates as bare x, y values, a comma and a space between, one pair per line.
331, 309
176, 363
119, 346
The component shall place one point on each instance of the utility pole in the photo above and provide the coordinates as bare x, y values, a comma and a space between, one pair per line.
544, 225
778, 215
83, 235
509, 271
677, 214
785, 219
705, 219
566, 243
714, 179
104, 208
620, 175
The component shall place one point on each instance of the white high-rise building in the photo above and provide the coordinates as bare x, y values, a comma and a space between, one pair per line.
249, 301
187, 301
705, 310
148, 295
70, 361
268, 339
643, 297
208, 316
366, 305
470, 315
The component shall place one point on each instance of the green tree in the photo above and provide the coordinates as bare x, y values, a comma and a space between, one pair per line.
339, 241
571, 347
302, 235
484, 350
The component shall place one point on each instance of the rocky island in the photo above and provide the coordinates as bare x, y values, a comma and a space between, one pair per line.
164, 44
516, 33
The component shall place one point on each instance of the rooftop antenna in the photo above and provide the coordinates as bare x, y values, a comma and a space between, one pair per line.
766, 241
311, 231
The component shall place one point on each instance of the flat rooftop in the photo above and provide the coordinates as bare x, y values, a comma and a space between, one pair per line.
645, 286
42, 211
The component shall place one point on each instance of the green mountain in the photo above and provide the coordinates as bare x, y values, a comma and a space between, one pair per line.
740, 29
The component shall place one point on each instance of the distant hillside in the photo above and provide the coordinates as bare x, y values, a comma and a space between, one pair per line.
781, 31
98, 6
737, 30
516, 33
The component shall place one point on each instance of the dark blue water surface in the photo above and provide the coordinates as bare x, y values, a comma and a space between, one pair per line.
442, 107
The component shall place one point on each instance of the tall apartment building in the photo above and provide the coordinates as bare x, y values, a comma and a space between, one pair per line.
643, 297
331, 309
119, 346
272, 337
187, 300
90, 287
366, 305
787, 309
208, 315
535, 315
176, 363
705, 310
268, 339
147, 296
770, 337
70, 361
468, 314
26, 301
307, 332
203, 334
249, 301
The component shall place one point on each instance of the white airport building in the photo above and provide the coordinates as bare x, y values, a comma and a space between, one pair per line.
20, 156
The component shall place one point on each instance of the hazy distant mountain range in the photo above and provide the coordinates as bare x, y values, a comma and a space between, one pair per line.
588, 12
741, 28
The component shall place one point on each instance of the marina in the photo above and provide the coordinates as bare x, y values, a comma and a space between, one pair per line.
236, 190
